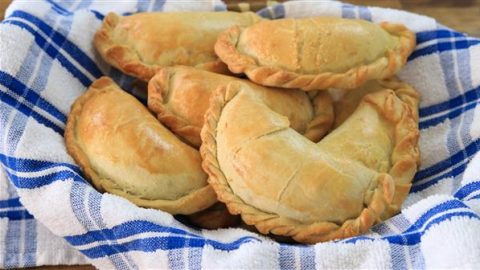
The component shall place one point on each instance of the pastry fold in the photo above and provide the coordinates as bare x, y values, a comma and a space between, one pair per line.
315, 53
140, 44
287, 185
123, 149
180, 97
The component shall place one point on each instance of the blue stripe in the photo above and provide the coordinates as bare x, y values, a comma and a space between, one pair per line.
59, 9
442, 207
399, 260
73, 50
446, 163
125, 230
417, 187
414, 238
278, 11
142, 5
443, 46
26, 165
29, 112
476, 197
16, 215
39, 181
468, 189
176, 256
450, 115
421, 221
465, 123
122, 261
365, 13
286, 257
158, 5
30, 243
32, 165
348, 11
426, 36
273, 12
12, 245
307, 257
153, 244
194, 258
30, 96
15, 202
98, 14
450, 104
52, 52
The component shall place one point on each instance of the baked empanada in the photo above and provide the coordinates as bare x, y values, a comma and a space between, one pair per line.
180, 97
287, 185
315, 53
347, 104
142, 43
124, 150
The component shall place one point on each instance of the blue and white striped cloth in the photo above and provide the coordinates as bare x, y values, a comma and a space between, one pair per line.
47, 60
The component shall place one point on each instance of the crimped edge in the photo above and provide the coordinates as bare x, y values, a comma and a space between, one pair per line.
158, 94
193, 202
128, 60
384, 67
118, 55
405, 157
323, 116
377, 200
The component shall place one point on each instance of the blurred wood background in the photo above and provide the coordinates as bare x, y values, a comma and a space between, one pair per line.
461, 15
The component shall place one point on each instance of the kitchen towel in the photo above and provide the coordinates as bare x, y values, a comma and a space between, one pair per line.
47, 60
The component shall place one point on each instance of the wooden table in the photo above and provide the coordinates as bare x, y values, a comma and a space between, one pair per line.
461, 15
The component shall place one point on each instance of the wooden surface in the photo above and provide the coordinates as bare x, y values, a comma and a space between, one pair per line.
461, 15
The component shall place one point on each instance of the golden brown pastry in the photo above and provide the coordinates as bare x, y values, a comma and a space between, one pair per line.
142, 43
180, 96
315, 53
347, 104
287, 185
124, 150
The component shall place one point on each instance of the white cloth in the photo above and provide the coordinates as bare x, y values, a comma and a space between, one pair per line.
47, 60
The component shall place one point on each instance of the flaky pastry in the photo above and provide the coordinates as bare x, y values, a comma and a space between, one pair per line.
142, 43
315, 53
124, 150
180, 97
287, 185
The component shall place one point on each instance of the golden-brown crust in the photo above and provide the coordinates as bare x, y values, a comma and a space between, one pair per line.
323, 117
160, 88
133, 61
158, 92
384, 67
377, 201
192, 202
118, 55
406, 155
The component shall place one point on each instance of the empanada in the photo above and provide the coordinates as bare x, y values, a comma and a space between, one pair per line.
142, 43
347, 104
124, 150
287, 185
180, 97
315, 53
